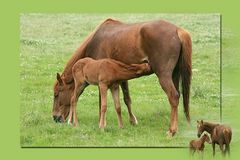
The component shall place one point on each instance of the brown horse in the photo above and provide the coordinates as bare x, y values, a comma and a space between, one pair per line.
198, 144
167, 47
106, 73
220, 134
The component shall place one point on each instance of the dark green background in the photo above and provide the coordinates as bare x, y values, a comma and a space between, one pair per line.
9, 36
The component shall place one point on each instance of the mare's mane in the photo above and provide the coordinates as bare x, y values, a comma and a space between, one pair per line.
80, 53
209, 126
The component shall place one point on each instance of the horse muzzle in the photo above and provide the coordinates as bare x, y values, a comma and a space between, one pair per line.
199, 135
58, 119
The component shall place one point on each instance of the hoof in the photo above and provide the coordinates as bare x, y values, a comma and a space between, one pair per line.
69, 122
120, 127
75, 125
105, 123
170, 133
101, 129
133, 121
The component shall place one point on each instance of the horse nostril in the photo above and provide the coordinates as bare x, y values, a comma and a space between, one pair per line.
56, 118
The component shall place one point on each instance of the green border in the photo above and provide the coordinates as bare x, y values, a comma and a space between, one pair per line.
9, 35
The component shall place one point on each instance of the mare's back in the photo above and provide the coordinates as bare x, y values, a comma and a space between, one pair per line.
224, 132
122, 42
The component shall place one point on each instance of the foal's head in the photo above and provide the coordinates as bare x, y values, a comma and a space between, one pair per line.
62, 99
143, 68
206, 137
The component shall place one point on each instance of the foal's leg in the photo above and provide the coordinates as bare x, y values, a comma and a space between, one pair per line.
202, 153
79, 88
99, 103
127, 101
191, 151
115, 95
103, 90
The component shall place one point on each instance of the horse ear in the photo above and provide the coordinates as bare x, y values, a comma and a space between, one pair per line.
198, 121
201, 121
59, 79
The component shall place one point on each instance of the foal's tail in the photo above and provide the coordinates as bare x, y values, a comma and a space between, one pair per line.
185, 67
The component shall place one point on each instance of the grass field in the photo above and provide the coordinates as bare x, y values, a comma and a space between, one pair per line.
47, 41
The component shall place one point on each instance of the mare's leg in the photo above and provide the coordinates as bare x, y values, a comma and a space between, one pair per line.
115, 95
222, 149
213, 146
127, 101
167, 71
227, 148
176, 78
103, 90
173, 98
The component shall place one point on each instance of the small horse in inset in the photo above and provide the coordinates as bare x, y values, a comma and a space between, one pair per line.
106, 73
220, 134
198, 144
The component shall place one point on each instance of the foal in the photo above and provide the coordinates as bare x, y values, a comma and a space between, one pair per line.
106, 73
198, 144
220, 134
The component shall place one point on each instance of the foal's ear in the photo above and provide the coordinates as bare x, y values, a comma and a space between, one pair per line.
201, 122
59, 79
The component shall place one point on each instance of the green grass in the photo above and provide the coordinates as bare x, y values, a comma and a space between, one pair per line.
47, 41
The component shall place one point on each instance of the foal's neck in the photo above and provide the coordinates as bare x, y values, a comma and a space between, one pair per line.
209, 127
203, 139
131, 71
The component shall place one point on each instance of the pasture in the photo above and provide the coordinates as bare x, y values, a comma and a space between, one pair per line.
47, 41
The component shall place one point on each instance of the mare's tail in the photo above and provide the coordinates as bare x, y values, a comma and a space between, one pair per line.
227, 133
185, 67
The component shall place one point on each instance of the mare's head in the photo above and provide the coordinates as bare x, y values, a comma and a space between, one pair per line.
62, 99
200, 128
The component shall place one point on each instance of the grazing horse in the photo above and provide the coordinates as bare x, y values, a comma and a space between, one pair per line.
168, 49
198, 144
106, 73
220, 134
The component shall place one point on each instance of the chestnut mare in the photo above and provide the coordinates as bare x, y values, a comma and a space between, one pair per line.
167, 47
106, 73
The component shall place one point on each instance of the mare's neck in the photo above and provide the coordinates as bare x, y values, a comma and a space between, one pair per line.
209, 127
79, 53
